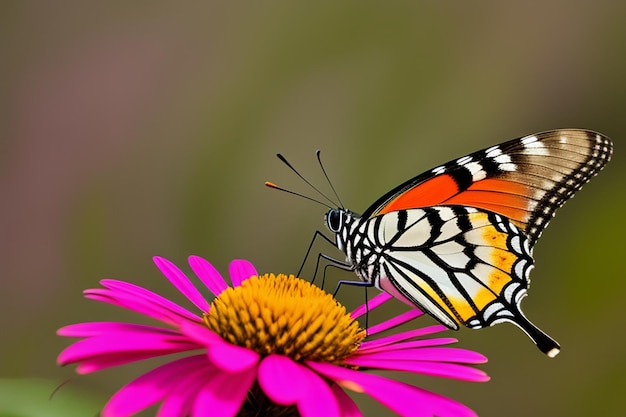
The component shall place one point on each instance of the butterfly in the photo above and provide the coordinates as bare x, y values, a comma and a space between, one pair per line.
457, 240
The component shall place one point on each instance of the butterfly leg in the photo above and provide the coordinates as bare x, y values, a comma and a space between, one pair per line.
335, 263
352, 283
308, 251
365, 286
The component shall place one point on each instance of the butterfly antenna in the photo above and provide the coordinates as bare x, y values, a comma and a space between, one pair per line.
332, 187
276, 187
284, 160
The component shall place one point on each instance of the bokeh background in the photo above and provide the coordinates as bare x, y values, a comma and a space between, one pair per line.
129, 130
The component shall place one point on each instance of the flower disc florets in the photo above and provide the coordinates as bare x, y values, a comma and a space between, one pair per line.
285, 315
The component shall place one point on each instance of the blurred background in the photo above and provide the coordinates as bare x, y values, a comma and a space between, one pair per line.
133, 130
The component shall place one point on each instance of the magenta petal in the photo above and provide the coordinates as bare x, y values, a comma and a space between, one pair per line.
124, 342
278, 377
137, 304
226, 356
232, 358
371, 304
141, 300
431, 354
286, 382
224, 394
347, 406
410, 334
101, 362
179, 400
109, 344
395, 321
182, 283
438, 369
199, 333
414, 402
151, 387
318, 399
436, 341
240, 270
97, 328
209, 276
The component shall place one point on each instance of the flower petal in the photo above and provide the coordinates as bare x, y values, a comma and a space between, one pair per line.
179, 400
109, 344
395, 321
141, 300
438, 369
347, 406
199, 333
226, 356
144, 345
404, 399
436, 341
240, 270
430, 354
318, 399
153, 386
223, 393
207, 273
181, 282
97, 328
286, 382
98, 363
410, 334
278, 377
371, 304
232, 358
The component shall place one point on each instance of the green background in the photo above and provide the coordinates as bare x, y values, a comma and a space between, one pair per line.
133, 130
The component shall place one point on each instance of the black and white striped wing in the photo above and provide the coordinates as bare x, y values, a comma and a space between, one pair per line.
460, 264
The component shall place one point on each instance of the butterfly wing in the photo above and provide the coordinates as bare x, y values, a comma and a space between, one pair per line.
460, 264
457, 240
526, 179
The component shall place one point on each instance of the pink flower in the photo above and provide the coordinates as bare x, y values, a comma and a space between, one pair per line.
268, 345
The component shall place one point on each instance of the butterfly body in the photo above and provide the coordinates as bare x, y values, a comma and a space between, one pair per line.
457, 240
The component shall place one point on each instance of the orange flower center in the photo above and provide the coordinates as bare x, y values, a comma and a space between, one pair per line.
285, 315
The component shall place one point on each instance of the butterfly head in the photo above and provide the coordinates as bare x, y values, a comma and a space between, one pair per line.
335, 219
340, 221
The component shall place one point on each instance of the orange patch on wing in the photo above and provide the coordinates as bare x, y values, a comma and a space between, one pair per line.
429, 193
510, 199
463, 308
493, 237
506, 198
495, 283
479, 219
494, 198
518, 215
502, 259
492, 184
478, 216
483, 297
515, 214
497, 280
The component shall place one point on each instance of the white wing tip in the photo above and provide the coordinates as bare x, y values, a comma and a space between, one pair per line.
553, 352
